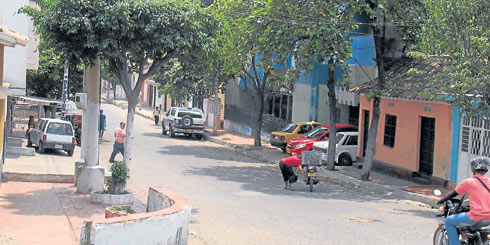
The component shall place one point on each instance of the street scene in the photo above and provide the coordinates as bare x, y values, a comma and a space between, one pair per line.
244, 122
235, 199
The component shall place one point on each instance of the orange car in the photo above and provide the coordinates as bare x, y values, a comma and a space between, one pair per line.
291, 131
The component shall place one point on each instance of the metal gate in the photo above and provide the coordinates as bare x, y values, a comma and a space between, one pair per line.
20, 117
474, 142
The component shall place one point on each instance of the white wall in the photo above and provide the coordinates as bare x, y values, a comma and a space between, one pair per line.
15, 58
301, 102
157, 226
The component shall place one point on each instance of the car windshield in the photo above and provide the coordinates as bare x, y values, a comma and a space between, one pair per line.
191, 113
59, 128
339, 138
289, 128
315, 133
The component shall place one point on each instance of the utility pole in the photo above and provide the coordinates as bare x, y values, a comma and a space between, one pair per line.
90, 174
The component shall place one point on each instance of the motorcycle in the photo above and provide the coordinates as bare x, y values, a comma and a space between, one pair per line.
311, 161
476, 234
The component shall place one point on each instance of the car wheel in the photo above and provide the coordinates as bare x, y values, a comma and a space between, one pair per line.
345, 160
41, 147
164, 132
172, 133
29, 142
70, 152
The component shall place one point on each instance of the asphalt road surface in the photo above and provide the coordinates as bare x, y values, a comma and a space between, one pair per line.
237, 200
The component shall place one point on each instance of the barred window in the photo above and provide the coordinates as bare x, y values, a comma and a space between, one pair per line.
390, 129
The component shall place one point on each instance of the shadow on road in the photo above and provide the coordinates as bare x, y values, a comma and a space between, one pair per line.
267, 179
208, 152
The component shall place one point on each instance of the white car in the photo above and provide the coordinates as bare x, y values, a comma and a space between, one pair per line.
345, 151
52, 133
188, 121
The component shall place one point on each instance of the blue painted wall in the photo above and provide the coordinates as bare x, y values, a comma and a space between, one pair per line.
455, 144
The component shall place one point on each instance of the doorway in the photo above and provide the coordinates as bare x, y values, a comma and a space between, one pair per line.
427, 132
365, 132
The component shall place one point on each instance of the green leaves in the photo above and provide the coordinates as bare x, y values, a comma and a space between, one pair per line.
456, 35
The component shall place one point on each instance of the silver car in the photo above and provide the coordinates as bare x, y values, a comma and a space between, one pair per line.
52, 133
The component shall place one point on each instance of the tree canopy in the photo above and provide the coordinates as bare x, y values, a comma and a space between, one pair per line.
46, 81
457, 35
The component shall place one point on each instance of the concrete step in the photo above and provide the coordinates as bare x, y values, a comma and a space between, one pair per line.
11, 141
16, 150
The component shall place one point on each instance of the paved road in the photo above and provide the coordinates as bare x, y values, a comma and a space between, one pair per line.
237, 200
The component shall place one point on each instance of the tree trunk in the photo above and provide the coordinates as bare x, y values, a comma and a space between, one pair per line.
332, 104
373, 130
273, 105
371, 142
215, 114
287, 108
280, 107
128, 142
114, 90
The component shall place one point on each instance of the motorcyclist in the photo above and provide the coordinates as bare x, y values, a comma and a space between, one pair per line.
479, 195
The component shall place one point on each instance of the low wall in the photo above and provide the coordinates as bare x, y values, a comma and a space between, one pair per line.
234, 127
165, 222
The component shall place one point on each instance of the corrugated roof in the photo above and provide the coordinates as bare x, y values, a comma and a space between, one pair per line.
407, 79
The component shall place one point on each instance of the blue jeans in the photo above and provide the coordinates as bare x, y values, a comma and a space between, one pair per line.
456, 220
118, 147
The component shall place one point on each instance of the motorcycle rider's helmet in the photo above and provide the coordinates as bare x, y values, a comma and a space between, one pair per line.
480, 164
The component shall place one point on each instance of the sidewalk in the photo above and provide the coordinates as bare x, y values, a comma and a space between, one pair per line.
43, 213
46, 208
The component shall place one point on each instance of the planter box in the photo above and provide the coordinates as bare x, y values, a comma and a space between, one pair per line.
111, 214
112, 199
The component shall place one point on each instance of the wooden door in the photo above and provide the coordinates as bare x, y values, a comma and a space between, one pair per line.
427, 132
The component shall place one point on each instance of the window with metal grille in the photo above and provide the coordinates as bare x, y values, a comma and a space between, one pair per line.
390, 129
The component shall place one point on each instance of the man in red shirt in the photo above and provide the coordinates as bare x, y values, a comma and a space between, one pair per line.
477, 189
119, 143
286, 165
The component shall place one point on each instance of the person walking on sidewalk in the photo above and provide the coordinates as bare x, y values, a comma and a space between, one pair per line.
156, 115
286, 165
102, 124
478, 190
119, 142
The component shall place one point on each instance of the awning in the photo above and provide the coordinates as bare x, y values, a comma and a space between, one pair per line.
40, 101
11, 38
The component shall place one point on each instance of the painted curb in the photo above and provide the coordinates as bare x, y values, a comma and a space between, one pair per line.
43, 178
237, 149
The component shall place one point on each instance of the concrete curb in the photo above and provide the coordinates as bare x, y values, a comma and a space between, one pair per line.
238, 149
394, 191
44, 178
124, 106
15, 150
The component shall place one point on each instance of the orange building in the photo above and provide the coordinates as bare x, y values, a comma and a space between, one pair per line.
415, 134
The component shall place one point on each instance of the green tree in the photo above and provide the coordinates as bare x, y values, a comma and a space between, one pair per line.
47, 80
457, 35
247, 51
137, 37
407, 15
316, 31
